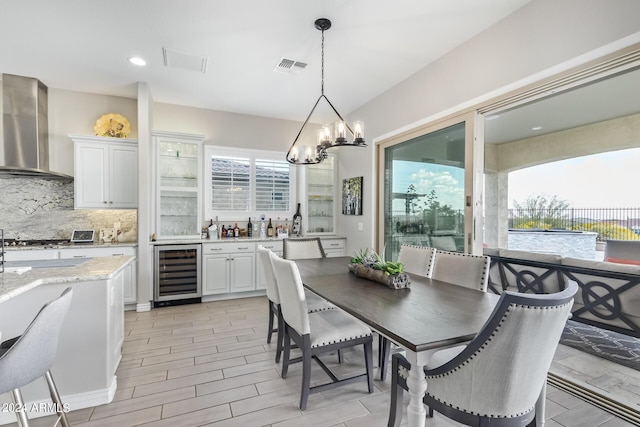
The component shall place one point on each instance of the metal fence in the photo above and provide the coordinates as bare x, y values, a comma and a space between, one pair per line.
609, 223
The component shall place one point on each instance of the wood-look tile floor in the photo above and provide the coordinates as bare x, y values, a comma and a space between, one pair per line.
209, 364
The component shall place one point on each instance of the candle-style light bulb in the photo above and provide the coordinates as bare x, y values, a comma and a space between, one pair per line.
358, 132
340, 132
294, 154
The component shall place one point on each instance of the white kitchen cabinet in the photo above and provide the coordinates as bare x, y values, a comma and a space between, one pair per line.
129, 274
319, 214
178, 169
30, 255
106, 172
277, 248
333, 247
228, 267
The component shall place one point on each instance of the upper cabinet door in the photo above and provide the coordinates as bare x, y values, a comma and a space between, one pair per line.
106, 173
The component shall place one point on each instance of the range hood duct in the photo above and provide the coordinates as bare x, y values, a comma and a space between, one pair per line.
24, 151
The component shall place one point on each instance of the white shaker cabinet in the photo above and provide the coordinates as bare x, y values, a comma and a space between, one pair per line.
106, 172
228, 267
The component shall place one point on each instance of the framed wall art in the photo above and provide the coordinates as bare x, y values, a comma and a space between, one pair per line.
352, 196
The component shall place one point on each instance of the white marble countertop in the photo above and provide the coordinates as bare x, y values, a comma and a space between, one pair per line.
100, 268
71, 246
235, 239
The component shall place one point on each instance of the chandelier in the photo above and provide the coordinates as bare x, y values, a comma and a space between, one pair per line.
328, 136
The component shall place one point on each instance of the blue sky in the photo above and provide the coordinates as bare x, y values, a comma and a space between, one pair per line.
601, 180
447, 181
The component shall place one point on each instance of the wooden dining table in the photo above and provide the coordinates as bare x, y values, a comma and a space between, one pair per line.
426, 317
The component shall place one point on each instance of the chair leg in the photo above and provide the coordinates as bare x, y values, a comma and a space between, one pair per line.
23, 420
340, 356
271, 315
285, 352
368, 361
280, 336
55, 397
306, 377
397, 397
385, 350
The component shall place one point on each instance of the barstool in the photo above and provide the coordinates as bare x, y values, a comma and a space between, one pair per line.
25, 358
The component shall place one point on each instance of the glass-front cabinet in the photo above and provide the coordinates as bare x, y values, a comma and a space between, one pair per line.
178, 195
320, 197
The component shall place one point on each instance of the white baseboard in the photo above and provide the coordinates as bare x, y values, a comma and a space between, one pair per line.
143, 307
72, 401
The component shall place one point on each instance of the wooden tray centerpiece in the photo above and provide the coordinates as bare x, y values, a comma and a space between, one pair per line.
369, 265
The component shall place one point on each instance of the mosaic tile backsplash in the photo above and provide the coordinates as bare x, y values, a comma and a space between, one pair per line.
37, 208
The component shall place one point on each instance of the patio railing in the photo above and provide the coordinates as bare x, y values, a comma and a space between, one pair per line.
609, 223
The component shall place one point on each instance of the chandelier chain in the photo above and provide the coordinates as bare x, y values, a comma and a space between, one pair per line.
322, 66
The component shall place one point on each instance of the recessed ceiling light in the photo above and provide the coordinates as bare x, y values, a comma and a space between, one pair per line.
536, 128
136, 60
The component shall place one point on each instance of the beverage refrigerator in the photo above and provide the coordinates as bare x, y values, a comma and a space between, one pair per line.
177, 277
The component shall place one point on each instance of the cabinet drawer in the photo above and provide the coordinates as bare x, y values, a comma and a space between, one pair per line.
225, 248
96, 252
272, 246
30, 255
328, 244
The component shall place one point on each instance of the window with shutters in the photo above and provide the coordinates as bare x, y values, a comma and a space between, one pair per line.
247, 183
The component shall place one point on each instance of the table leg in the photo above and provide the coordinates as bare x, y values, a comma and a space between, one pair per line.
417, 384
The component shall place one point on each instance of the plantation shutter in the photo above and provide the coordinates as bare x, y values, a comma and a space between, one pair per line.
272, 185
230, 183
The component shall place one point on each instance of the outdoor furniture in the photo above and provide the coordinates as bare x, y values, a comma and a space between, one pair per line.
453, 314
314, 302
309, 247
317, 333
470, 271
622, 251
28, 357
499, 378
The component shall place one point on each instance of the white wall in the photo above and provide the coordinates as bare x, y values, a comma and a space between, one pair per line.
535, 38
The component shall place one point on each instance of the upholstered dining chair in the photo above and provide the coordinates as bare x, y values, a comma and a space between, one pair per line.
25, 358
470, 271
417, 259
314, 301
317, 333
499, 377
305, 248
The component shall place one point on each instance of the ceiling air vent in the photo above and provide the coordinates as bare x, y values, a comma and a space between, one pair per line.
186, 61
289, 65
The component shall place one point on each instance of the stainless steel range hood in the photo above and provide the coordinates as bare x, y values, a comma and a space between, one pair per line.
24, 150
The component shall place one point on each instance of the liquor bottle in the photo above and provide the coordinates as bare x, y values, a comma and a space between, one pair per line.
213, 230
229, 231
296, 229
223, 232
269, 229
249, 229
236, 230
263, 228
278, 227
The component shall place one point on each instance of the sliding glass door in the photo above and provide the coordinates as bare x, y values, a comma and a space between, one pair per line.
426, 192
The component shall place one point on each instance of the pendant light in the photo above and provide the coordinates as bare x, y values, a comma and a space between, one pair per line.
328, 136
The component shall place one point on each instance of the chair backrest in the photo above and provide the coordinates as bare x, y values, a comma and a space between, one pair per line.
501, 371
307, 248
264, 255
293, 302
470, 271
32, 355
417, 259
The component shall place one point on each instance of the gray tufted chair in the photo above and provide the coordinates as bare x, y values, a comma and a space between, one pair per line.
28, 357
316, 333
314, 301
470, 271
307, 248
499, 378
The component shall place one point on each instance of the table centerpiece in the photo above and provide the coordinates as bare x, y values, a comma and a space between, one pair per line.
368, 264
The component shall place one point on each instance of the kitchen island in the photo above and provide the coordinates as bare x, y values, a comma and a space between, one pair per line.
92, 333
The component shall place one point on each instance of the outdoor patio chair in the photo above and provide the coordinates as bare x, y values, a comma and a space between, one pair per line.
499, 378
316, 333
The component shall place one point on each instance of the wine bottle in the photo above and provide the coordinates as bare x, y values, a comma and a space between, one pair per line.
223, 232
269, 229
249, 229
296, 228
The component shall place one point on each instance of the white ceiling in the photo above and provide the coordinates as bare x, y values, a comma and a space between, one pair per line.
83, 45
